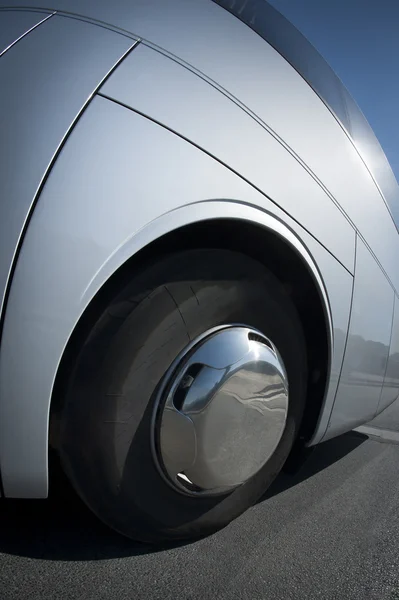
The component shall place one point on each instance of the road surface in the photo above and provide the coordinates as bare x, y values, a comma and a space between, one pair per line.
331, 531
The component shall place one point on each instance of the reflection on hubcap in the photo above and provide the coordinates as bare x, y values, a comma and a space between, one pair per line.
221, 411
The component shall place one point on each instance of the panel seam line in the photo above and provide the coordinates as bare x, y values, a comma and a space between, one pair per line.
186, 139
27, 32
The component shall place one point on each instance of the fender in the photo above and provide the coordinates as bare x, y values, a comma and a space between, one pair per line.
79, 235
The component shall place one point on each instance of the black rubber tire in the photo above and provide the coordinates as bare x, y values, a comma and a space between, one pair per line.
106, 413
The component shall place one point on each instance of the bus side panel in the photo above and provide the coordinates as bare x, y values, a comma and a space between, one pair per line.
367, 346
157, 86
390, 391
120, 182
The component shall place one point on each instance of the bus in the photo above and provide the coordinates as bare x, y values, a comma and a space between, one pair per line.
198, 257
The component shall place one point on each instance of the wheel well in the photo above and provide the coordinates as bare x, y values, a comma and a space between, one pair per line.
266, 247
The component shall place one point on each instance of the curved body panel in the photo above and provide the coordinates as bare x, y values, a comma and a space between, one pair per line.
267, 22
367, 348
99, 235
47, 78
390, 391
16, 24
152, 84
239, 61
132, 145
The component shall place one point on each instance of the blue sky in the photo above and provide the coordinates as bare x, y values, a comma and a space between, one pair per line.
360, 41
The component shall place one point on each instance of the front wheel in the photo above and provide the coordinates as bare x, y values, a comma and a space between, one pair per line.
186, 397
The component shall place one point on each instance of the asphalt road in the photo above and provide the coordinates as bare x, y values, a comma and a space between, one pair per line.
331, 531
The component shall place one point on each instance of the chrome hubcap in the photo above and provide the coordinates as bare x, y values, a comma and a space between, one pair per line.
221, 411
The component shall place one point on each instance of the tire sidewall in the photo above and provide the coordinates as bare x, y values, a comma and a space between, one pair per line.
106, 419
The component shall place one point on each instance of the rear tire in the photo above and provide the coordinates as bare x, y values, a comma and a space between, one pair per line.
106, 414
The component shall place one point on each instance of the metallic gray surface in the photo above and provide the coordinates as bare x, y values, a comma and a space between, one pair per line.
390, 391
369, 148
14, 24
220, 425
367, 347
299, 52
98, 235
154, 85
339, 285
121, 181
46, 79
247, 68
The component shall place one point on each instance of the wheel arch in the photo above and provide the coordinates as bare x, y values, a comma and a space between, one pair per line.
60, 310
269, 241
